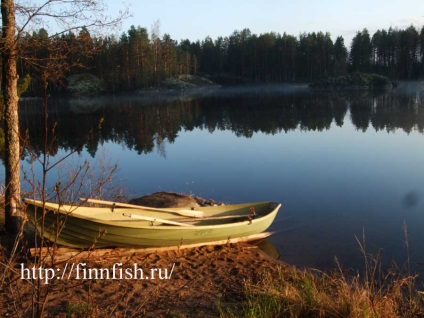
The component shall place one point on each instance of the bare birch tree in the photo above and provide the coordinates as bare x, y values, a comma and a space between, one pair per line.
19, 18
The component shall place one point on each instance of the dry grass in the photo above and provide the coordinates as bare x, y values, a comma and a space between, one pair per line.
375, 292
312, 293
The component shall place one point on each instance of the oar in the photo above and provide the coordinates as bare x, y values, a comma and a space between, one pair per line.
248, 217
190, 213
147, 218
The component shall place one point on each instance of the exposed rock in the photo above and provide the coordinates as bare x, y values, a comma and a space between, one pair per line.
186, 82
174, 83
85, 85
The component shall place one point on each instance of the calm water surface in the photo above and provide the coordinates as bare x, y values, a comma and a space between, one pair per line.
342, 164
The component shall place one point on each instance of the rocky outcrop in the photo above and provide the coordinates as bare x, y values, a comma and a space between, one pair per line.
186, 82
85, 85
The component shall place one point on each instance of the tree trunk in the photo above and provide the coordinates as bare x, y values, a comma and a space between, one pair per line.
11, 118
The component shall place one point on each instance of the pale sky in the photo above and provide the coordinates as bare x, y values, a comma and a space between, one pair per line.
196, 19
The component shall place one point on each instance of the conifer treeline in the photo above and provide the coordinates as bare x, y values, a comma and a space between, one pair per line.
139, 60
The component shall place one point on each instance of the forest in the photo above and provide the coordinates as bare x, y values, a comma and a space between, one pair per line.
140, 59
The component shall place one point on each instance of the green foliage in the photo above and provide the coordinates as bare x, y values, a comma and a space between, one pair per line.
81, 309
361, 52
24, 84
340, 55
77, 309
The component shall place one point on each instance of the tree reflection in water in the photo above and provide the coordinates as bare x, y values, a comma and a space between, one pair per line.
141, 122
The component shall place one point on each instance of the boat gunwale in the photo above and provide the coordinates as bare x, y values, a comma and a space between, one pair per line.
62, 210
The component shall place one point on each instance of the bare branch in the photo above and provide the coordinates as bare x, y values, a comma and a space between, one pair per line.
67, 15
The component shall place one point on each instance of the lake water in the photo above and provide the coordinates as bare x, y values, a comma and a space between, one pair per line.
343, 164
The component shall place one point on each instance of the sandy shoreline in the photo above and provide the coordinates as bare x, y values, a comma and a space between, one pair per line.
230, 280
196, 281
203, 280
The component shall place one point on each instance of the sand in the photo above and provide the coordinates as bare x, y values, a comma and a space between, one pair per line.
204, 280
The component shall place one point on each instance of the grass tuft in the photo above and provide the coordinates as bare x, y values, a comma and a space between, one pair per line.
291, 292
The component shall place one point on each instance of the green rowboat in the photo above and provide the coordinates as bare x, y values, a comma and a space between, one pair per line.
88, 227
